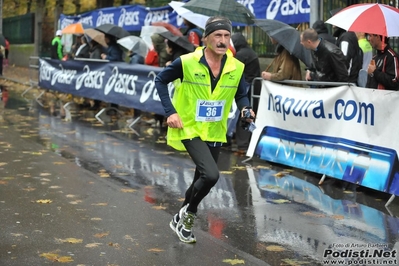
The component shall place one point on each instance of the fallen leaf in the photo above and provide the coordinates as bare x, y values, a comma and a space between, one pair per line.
293, 262
71, 240
44, 201
280, 174
45, 174
49, 256
317, 215
159, 207
100, 204
36, 153
71, 196
3, 182
226, 172
103, 175
338, 217
75, 202
270, 187
263, 167
58, 163
275, 248
100, 235
126, 190
93, 245
155, 250
45, 180
281, 201
234, 261
54, 187
29, 189
1, 164
96, 219
239, 167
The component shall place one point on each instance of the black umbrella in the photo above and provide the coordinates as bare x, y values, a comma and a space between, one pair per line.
231, 9
179, 40
114, 30
287, 36
2, 40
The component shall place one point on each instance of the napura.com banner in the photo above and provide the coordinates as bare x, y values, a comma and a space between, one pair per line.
345, 132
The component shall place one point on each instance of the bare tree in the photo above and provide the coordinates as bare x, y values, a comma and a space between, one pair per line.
40, 8
59, 6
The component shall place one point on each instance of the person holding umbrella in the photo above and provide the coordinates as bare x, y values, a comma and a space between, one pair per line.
383, 70
208, 81
113, 52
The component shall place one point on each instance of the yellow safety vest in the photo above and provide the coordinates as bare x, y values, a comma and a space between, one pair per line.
192, 96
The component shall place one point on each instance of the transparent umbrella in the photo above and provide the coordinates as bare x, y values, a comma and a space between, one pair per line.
134, 44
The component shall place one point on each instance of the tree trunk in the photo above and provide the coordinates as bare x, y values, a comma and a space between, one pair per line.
59, 6
104, 3
77, 5
40, 8
28, 6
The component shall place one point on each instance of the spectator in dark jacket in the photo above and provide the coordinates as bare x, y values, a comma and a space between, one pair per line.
249, 58
320, 27
349, 45
113, 52
384, 68
329, 61
84, 48
95, 50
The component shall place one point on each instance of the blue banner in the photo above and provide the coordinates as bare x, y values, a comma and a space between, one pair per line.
133, 17
127, 85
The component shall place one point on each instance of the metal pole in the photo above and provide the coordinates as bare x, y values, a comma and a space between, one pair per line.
1, 16
314, 12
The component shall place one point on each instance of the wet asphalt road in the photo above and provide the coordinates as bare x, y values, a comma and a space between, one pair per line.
114, 194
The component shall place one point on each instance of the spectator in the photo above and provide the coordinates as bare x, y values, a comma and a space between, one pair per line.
2, 52
284, 65
174, 50
383, 69
160, 47
191, 126
152, 58
320, 27
95, 50
193, 33
366, 48
75, 46
246, 55
6, 51
84, 49
329, 61
349, 45
56, 46
113, 51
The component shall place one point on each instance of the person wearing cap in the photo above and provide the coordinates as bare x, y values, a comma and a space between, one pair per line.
56, 46
206, 82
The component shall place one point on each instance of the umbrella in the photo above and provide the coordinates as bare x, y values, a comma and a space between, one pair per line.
113, 30
231, 9
369, 18
287, 36
169, 27
179, 40
197, 19
135, 44
148, 31
96, 35
76, 28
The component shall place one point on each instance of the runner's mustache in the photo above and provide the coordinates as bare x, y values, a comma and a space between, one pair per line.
221, 45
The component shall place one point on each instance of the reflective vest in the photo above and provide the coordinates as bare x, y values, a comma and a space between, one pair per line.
204, 112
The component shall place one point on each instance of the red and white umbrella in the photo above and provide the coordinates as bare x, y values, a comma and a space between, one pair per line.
369, 18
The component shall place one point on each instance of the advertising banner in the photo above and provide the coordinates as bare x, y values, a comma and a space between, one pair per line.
133, 17
345, 132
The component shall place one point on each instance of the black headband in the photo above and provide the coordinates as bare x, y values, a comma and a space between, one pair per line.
218, 25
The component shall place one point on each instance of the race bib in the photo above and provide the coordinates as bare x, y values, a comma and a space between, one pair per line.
209, 111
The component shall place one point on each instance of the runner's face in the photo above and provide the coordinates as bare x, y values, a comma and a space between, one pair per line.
218, 41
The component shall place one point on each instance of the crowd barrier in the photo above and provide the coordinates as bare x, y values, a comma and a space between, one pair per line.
339, 132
